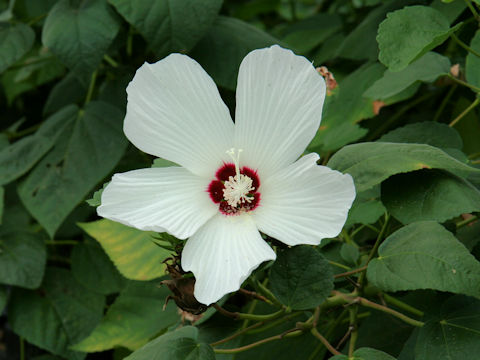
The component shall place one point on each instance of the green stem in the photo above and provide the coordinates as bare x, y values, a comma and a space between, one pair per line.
400, 304
324, 341
463, 83
91, 87
291, 333
445, 101
24, 132
334, 263
375, 248
465, 112
465, 222
274, 323
473, 10
399, 315
354, 334
367, 303
110, 61
242, 316
130, 41
351, 272
465, 46
268, 294
237, 334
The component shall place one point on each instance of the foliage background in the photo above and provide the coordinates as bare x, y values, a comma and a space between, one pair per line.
403, 122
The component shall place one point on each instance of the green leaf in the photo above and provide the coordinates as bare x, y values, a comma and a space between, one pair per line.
429, 195
365, 354
472, 62
367, 207
426, 69
360, 44
120, 242
135, 317
233, 39
428, 132
301, 277
451, 11
87, 148
371, 163
22, 259
343, 110
69, 90
79, 32
178, 345
159, 162
349, 253
305, 35
62, 313
452, 334
15, 41
424, 255
96, 199
168, 25
21, 156
407, 34
92, 268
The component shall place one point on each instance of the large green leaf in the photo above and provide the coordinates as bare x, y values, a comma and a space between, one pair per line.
365, 354
301, 277
134, 318
472, 62
133, 251
178, 345
371, 163
429, 195
62, 313
427, 132
79, 32
169, 25
407, 34
424, 255
87, 148
223, 48
15, 41
92, 268
22, 259
452, 334
426, 69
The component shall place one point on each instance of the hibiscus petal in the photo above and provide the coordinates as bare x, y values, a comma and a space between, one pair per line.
158, 199
222, 254
279, 107
304, 203
174, 111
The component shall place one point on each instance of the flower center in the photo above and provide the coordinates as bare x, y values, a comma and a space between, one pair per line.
238, 190
235, 189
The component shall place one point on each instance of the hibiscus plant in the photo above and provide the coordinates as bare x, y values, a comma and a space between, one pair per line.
264, 179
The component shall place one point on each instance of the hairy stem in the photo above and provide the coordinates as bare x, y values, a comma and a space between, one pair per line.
465, 112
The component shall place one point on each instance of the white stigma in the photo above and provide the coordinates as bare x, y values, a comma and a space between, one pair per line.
239, 186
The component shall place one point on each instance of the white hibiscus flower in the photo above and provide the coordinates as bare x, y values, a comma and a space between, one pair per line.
235, 180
